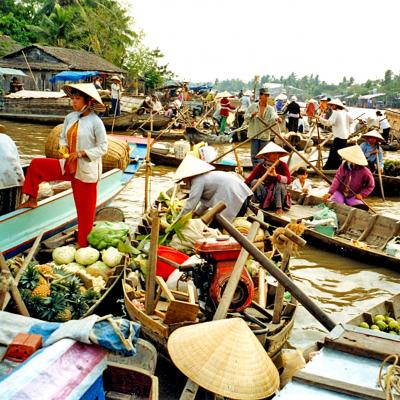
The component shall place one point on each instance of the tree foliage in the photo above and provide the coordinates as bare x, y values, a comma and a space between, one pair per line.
102, 27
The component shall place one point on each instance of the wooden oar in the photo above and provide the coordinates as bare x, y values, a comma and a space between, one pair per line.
242, 143
266, 173
319, 172
148, 172
378, 167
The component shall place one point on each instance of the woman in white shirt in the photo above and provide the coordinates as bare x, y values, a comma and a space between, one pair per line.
83, 142
384, 126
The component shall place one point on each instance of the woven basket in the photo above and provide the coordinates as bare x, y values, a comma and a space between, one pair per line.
117, 155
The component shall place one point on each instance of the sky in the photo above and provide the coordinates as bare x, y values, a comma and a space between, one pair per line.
205, 40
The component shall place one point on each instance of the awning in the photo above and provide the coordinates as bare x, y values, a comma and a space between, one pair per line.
73, 76
11, 71
371, 96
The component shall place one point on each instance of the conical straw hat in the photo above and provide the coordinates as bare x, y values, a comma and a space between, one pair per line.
90, 90
224, 357
271, 147
223, 94
191, 166
248, 92
353, 154
374, 134
338, 103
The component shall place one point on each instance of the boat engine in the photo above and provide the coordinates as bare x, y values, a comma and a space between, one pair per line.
212, 276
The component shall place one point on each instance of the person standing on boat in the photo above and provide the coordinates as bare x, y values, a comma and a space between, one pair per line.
83, 141
293, 112
208, 187
384, 126
116, 89
226, 107
340, 122
268, 114
272, 192
372, 150
353, 181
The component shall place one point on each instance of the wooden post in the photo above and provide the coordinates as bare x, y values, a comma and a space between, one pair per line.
29, 67
281, 277
147, 176
151, 263
210, 214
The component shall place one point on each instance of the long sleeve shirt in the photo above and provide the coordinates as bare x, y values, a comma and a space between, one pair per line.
296, 185
369, 152
255, 126
92, 138
359, 180
282, 170
226, 106
340, 122
206, 190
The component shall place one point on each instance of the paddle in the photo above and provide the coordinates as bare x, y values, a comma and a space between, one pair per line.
319, 172
379, 172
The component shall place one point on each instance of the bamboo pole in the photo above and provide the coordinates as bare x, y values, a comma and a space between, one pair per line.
380, 174
148, 173
29, 67
262, 179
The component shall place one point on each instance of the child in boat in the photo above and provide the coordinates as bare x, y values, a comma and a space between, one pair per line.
353, 180
301, 183
371, 150
272, 192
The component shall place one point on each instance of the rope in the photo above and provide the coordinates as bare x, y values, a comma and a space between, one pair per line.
279, 244
389, 380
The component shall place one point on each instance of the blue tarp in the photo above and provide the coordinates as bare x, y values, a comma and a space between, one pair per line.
73, 76
201, 87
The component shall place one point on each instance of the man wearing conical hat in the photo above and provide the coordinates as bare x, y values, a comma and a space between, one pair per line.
353, 181
340, 122
272, 192
116, 90
83, 142
208, 187
373, 151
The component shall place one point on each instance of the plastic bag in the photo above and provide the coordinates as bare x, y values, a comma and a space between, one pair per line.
326, 214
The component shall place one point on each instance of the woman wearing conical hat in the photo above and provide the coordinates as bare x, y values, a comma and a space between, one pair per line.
83, 141
353, 181
340, 122
208, 187
272, 193
372, 150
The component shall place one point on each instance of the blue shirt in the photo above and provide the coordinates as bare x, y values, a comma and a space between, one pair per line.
369, 152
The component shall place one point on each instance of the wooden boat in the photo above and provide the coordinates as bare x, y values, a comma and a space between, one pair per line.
168, 317
360, 235
170, 160
19, 228
391, 184
194, 135
347, 366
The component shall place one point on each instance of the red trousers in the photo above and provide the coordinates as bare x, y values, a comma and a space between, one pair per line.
85, 194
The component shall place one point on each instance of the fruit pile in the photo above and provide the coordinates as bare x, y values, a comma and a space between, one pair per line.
383, 323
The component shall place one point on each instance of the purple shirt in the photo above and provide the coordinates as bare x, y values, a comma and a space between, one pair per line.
359, 179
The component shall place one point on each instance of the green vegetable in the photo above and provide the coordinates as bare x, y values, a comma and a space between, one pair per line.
64, 254
108, 234
111, 257
86, 255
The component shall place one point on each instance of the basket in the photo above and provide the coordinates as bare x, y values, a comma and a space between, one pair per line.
117, 155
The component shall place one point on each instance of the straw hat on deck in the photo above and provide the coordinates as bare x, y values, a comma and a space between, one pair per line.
353, 154
374, 134
90, 90
224, 357
271, 147
192, 166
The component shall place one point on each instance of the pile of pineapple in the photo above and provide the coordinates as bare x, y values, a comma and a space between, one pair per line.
53, 294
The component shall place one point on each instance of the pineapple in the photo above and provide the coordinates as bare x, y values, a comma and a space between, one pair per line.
65, 315
45, 270
41, 290
30, 278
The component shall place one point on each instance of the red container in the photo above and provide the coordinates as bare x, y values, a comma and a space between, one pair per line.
163, 269
222, 248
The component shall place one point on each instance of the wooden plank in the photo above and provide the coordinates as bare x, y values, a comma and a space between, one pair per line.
180, 311
367, 345
192, 298
339, 386
165, 289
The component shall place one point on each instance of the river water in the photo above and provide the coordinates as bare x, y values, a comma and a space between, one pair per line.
340, 286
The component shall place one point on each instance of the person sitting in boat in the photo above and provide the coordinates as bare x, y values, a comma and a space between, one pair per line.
372, 149
272, 192
15, 85
353, 181
11, 173
301, 183
208, 187
83, 142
